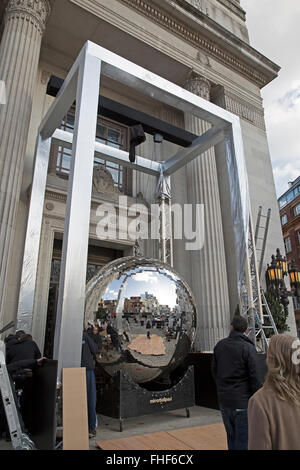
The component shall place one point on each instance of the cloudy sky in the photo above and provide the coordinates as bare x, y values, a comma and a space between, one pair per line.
274, 29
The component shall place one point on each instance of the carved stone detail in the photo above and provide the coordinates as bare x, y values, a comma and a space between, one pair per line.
235, 7
198, 85
45, 77
37, 10
238, 106
203, 58
103, 181
201, 5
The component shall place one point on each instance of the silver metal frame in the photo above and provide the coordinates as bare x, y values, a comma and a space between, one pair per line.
82, 84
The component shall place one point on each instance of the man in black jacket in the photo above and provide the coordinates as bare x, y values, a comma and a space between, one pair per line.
234, 368
22, 357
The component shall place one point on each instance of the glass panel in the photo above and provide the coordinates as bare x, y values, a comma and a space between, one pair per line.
99, 161
282, 202
106, 134
115, 174
70, 121
287, 244
112, 165
66, 162
297, 210
101, 132
113, 135
116, 146
102, 141
290, 196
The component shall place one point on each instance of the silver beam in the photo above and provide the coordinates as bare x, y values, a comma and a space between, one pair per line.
112, 154
148, 83
200, 145
70, 311
64, 99
33, 235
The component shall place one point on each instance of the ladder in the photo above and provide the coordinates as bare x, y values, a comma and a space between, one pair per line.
19, 440
254, 305
265, 229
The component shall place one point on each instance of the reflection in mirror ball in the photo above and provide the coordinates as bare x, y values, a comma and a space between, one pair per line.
147, 314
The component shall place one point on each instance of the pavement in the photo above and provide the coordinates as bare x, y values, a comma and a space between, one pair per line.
109, 428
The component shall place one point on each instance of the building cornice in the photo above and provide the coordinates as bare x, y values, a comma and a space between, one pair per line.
194, 26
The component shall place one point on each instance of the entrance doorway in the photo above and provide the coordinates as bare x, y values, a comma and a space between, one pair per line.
97, 258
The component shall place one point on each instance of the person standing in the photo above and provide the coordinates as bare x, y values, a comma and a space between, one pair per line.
114, 337
95, 335
22, 358
274, 410
89, 349
234, 369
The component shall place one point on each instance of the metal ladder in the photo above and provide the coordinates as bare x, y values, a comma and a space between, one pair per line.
265, 228
19, 440
253, 301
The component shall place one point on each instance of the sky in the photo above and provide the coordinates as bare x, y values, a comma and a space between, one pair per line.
274, 30
146, 281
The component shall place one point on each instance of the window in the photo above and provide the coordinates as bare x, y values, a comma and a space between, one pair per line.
287, 244
297, 210
290, 196
107, 133
284, 219
282, 202
298, 236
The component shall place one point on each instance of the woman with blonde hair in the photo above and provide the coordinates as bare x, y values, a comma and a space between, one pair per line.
274, 410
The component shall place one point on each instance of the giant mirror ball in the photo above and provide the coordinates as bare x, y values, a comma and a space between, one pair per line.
148, 317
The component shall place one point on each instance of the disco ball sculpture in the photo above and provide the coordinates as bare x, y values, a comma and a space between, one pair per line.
148, 314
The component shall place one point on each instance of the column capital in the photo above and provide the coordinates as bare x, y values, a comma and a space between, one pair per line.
36, 10
198, 85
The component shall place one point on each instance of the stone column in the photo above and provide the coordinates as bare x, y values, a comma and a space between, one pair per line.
25, 22
208, 265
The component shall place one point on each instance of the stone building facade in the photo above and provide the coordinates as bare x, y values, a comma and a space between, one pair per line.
202, 45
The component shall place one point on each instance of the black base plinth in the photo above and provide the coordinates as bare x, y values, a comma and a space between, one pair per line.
205, 387
122, 398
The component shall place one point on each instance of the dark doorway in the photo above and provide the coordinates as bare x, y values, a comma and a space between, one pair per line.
97, 258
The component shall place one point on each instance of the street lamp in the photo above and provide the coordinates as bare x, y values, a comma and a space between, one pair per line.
282, 262
294, 274
274, 279
274, 276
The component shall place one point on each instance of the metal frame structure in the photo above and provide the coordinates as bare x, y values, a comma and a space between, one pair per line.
253, 303
82, 84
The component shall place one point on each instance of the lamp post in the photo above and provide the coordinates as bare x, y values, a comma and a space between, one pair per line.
275, 279
282, 262
294, 275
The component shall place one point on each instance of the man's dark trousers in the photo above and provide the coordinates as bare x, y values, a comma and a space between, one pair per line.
234, 368
91, 399
236, 425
